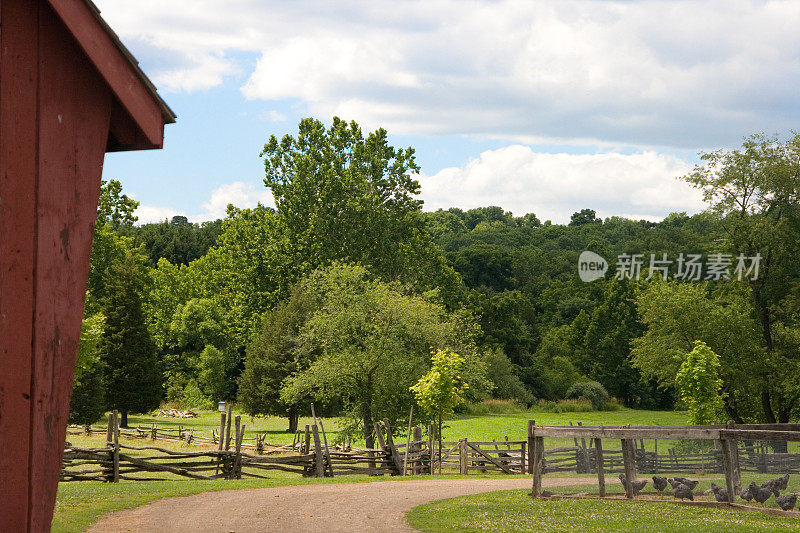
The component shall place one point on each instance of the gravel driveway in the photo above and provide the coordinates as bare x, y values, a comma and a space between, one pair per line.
375, 506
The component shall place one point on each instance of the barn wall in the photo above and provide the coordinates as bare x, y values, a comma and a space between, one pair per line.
52, 141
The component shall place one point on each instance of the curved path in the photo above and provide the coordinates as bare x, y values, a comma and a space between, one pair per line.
370, 506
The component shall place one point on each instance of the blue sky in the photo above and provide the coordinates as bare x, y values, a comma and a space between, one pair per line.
541, 106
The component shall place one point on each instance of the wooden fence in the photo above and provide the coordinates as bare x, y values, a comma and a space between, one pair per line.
727, 457
309, 455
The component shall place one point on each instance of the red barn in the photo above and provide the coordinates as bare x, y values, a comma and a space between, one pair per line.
69, 92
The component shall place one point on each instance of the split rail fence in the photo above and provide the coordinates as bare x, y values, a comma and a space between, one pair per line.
738, 448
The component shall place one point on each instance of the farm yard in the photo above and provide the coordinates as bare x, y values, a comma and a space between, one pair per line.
567, 485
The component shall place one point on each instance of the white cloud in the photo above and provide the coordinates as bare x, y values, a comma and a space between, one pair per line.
240, 194
647, 73
554, 186
155, 213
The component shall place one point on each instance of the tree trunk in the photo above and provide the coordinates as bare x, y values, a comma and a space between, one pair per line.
294, 417
766, 405
124, 422
369, 432
730, 408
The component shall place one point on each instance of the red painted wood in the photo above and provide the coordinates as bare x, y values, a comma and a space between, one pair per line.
56, 114
114, 67
74, 117
18, 134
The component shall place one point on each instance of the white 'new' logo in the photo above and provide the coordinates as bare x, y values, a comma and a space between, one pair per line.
591, 266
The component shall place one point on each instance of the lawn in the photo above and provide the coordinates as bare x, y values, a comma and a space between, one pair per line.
511, 423
512, 511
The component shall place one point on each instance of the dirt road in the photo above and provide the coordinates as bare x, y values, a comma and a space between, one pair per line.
376, 506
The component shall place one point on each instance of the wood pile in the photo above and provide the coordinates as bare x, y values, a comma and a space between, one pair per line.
176, 413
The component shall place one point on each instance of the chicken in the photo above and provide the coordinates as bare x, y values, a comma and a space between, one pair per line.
787, 501
747, 492
720, 494
682, 492
761, 494
776, 485
637, 484
688, 482
659, 483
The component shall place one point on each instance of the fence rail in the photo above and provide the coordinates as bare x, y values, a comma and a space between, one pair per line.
734, 451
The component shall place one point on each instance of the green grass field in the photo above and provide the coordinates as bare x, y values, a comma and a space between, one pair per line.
509, 422
516, 511
80, 503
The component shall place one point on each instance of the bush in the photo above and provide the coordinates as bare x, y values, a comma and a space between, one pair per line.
590, 390
193, 397
493, 407
564, 406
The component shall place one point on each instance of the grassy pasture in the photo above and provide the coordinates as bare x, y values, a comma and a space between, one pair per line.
515, 511
505, 421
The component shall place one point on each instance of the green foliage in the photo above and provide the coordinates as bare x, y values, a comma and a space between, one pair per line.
442, 388
346, 197
115, 208
503, 375
373, 342
87, 404
178, 241
754, 192
565, 406
273, 356
194, 398
699, 384
133, 377
584, 216
590, 390
677, 314
212, 366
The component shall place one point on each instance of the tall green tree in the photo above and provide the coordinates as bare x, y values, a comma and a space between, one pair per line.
348, 197
613, 326
721, 315
755, 194
133, 377
88, 401
273, 356
374, 342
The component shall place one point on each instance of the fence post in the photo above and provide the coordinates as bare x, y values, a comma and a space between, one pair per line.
629, 460
221, 440
116, 447
307, 441
237, 462
228, 429
417, 463
320, 462
601, 475
522, 457
530, 446
393, 453
462, 457
536, 462
730, 456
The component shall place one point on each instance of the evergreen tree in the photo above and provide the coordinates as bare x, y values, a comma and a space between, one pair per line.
133, 379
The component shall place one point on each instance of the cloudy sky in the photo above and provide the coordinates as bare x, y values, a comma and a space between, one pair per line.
536, 106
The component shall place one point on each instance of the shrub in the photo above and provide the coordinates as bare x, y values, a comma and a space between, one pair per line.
493, 407
591, 391
564, 406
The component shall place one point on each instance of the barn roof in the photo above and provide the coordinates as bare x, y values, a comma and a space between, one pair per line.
139, 114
